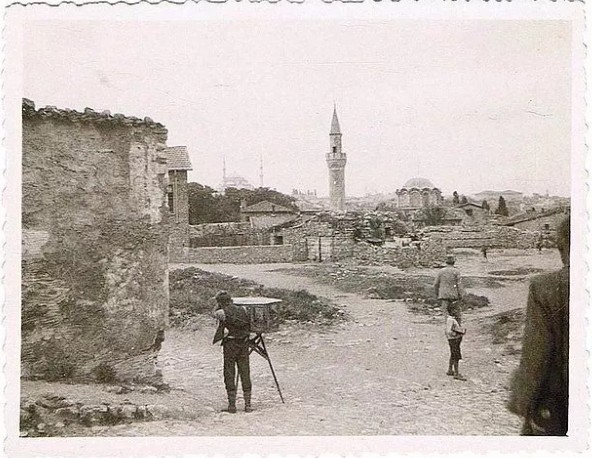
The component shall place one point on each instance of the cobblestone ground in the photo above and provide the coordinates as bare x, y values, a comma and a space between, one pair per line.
382, 372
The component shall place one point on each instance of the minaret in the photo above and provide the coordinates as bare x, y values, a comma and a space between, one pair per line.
336, 160
261, 170
223, 173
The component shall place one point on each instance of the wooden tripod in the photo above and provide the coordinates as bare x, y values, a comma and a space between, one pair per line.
257, 345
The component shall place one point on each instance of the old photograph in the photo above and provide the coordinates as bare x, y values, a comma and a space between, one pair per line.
298, 227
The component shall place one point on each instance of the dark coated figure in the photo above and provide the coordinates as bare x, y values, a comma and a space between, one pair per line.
234, 320
540, 384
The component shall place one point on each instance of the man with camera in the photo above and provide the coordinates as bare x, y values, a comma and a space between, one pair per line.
234, 331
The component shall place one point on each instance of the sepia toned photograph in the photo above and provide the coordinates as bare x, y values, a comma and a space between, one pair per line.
298, 227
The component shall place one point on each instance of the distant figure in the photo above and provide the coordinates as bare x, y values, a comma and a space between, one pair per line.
448, 286
540, 384
454, 333
235, 320
539, 244
484, 252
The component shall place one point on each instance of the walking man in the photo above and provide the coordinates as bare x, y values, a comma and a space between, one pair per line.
540, 384
235, 320
484, 252
449, 288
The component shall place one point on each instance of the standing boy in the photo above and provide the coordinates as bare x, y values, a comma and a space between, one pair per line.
454, 333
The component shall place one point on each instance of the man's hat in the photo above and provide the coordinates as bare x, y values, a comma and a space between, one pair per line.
223, 297
450, 259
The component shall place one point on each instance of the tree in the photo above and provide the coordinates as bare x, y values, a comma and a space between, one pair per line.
202, 203
208, 206
485, 205
502, 209
433, 216
455, 200
464, 200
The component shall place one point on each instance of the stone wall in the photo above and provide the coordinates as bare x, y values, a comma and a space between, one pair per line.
227, 234
262, 221
479, 236
425, 254
233, 255
94, 268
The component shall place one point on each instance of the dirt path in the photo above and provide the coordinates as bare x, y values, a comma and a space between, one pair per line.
382, 372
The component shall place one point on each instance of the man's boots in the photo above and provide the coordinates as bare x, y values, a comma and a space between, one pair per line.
231, 402
247, 395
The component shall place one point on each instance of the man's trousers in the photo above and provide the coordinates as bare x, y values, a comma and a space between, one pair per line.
236, 354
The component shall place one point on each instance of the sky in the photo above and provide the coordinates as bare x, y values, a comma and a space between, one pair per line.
470, 105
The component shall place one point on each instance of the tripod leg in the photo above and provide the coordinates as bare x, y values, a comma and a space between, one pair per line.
272, 371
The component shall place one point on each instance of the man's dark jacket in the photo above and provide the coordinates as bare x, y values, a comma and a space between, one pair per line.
236, 322
540, 385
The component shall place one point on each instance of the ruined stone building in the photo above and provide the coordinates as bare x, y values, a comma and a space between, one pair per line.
94, 259
336, 160
266, 214
418, 193
538, 221
178, 164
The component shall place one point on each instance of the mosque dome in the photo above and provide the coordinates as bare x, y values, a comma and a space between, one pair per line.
419, 183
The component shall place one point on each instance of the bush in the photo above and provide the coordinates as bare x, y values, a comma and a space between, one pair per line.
104, 373
60, 370
473, 301
192, 294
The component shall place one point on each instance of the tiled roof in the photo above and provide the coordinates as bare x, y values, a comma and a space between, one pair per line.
470, 204
178, 158
305, 206
266, 207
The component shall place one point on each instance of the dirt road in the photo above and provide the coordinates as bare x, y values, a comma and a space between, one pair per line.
382, 372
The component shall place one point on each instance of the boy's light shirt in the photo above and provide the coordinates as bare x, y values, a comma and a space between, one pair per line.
452, 327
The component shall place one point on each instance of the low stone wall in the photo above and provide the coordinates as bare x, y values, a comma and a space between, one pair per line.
233, 255
479, 236
227, 234
426, 255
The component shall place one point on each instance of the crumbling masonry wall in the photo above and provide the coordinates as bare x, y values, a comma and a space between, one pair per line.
94, 268
427, 254
480, 236
233, 254
227, 234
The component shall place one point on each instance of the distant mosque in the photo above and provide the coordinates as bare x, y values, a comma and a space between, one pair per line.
237, 181
418, 193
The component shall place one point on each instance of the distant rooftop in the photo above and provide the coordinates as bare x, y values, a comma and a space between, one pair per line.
507, 192
178, 158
